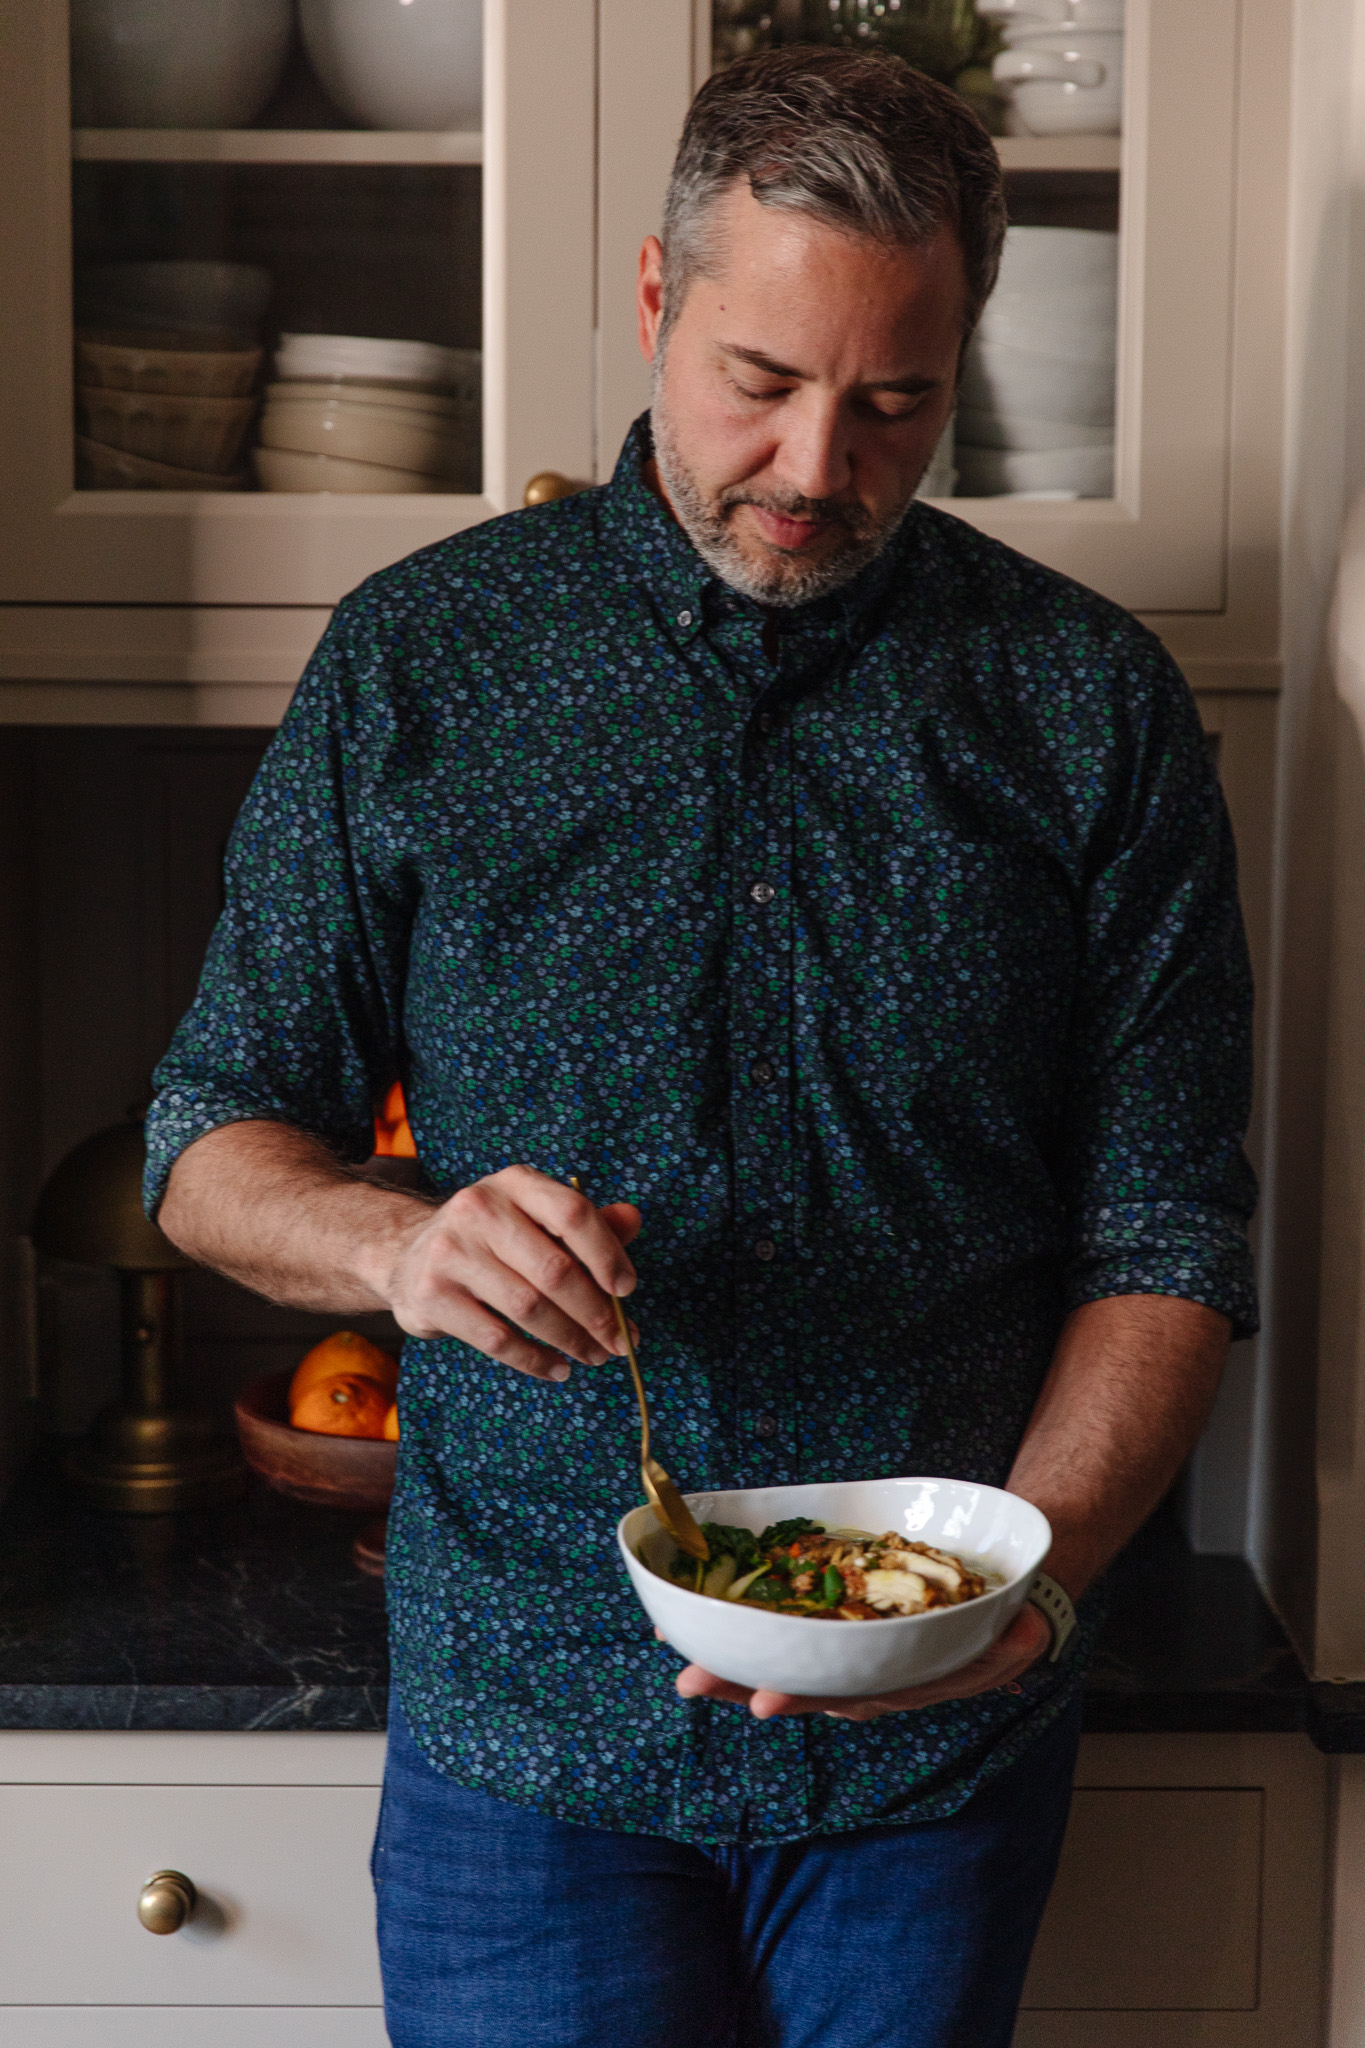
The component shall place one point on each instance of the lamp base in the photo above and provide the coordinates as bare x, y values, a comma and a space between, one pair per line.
150, 1464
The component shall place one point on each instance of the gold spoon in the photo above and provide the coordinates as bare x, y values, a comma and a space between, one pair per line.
670, 1509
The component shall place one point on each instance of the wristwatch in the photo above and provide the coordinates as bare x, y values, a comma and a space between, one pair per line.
1047, 1595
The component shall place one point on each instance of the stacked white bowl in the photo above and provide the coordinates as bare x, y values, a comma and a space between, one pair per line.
1036, 412
1062, 64
347, 413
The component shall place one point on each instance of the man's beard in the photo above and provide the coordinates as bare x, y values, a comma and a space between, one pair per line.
784, 579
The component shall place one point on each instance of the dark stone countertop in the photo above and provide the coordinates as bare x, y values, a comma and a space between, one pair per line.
253, 1616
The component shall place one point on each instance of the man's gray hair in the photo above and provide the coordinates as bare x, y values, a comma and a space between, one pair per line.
856, 139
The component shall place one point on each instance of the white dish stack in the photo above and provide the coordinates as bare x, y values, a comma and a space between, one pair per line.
1036, 414
347, 413
1062, 64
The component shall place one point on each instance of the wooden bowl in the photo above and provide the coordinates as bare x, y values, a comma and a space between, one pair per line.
354, 1472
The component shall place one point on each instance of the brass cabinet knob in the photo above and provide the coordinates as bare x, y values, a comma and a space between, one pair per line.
547, 485
166, 1902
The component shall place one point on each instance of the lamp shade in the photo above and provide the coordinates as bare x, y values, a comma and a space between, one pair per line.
91, 1209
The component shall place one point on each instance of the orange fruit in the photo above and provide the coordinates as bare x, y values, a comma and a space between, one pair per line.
345, 1351
391, 1424
344, 1406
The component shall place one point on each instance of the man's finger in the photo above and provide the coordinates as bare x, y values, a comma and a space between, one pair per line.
623, 1219
568, 1215
694, 1683
486, 1223
510, 1294
445, 1309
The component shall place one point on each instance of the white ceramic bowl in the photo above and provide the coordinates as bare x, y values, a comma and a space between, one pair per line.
423, 363
1006, 381
1045, 260
399, 63
365, 433
193, 298
175, 63
997, 1532
1017, 431
1001, 472
1064, 81
284, 469
113, 469
1030, 14
189, 432
126, 361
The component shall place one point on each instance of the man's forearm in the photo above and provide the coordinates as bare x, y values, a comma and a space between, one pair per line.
1130, 1387
272, 1208
517, 1265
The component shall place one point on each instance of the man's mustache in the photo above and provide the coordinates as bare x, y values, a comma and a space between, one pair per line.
851, 517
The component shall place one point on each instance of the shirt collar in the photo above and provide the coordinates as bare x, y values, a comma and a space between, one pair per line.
694, 595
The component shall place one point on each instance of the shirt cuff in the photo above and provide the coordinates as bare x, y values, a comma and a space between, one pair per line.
179, 1115
1183, 1249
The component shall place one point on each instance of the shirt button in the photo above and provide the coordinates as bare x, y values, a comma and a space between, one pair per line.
764, 1072
684, 618
767, 1425
765, 1249
763, 892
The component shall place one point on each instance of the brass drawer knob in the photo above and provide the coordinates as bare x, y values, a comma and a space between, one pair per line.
547, 485
166, 1902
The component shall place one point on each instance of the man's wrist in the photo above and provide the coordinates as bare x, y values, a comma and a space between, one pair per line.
382, 1248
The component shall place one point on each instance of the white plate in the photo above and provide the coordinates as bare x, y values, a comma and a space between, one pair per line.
994, 1531
281, 469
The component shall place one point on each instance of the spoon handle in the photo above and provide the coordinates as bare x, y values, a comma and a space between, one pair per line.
624, 1327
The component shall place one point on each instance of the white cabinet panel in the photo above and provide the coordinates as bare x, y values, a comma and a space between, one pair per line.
1157, 1904
179, 2026
288, 1913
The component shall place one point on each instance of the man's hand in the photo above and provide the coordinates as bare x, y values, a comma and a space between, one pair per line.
1023, 1643
518, 1252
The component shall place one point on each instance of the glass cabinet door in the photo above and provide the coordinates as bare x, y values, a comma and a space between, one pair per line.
1092, 430
305, 284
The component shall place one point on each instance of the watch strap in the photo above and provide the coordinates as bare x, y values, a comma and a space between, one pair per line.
1046, 1594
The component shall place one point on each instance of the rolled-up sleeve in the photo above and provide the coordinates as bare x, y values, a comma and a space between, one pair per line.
1158, 1189
297, 1015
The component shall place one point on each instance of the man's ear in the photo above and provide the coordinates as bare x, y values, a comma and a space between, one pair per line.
649, 296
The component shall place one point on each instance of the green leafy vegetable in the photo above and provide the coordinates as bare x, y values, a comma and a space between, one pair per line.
787, 1532
740, 1544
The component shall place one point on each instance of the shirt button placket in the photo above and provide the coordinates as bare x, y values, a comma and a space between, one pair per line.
760, 983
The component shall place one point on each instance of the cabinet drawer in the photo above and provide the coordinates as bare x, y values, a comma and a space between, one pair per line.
287, 1914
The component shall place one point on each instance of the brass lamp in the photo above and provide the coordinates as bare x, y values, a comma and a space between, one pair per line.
149, 1452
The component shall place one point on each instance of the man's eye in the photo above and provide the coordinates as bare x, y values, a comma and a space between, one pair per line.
759, 392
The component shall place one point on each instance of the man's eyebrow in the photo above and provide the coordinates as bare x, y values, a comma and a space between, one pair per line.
910, 386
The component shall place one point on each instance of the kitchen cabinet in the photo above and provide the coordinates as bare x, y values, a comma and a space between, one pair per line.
199, 594
1188, 1908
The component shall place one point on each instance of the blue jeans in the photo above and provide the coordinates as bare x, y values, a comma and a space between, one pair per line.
500, 1928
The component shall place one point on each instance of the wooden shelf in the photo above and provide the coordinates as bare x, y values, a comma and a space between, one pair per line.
1059, 152
273, 146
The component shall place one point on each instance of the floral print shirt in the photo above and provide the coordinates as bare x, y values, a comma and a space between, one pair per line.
885, 951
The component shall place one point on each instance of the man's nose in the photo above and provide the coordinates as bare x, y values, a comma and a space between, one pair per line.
815, 460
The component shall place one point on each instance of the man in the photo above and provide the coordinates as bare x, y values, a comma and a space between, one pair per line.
850, 904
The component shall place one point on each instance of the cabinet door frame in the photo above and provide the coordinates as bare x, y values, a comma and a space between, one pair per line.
63, 546
1160, 544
